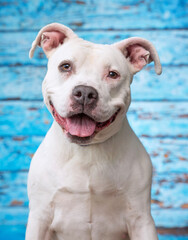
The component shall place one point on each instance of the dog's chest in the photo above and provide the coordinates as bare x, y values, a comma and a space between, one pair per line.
89, 203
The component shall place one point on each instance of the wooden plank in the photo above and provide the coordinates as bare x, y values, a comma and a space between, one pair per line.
169, 192
175, 231
162, 126
107, 14
167, 154
15, 52
32, 118
172, 83
29, 79
158, 119
14, 216
167, 218
12, 232
10, 181
16, 152
172, 237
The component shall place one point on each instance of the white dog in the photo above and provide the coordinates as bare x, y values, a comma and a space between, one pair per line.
90, 179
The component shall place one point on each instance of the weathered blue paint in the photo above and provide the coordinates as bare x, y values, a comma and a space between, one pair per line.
169, 218
91, 15
173, 199
162, 126
17, 152
146, 84
11, 232
144, 117
167, 154
169, 237
170, 54
14, 215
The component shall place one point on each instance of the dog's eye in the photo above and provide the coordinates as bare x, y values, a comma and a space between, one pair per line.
113, 75
65, 67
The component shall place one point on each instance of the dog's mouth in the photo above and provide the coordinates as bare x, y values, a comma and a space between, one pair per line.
81, 126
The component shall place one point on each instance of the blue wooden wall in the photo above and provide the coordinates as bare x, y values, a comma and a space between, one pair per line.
158, 113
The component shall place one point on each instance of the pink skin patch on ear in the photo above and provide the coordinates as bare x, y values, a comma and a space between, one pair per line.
137, 55
51, 40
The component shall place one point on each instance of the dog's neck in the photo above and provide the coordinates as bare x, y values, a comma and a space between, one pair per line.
63, 149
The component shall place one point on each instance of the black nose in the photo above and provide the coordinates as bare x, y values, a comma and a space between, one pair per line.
85, 95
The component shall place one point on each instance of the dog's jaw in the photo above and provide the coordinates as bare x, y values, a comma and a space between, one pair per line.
81, 128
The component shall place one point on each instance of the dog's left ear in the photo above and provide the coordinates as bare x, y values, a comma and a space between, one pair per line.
139, 52
50, 37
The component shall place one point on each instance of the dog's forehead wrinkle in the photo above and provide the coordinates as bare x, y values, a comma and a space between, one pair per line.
89, 58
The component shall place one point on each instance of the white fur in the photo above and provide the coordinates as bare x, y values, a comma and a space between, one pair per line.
100, 191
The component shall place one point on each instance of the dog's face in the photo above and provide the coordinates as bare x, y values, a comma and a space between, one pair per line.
87, 90
87, 85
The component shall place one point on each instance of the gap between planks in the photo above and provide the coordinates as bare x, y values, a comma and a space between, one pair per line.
75, 29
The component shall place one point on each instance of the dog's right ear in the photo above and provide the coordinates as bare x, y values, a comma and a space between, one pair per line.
50, 37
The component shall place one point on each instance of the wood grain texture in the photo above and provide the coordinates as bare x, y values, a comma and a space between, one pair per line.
171, 45
144, 117
146, 85
169, 218
158, 113
12, 232
169, 155
174, 198
93, 14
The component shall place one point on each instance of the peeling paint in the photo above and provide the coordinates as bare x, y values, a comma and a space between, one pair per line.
173, 231
158, 112
185, 205
16, 203
81, 2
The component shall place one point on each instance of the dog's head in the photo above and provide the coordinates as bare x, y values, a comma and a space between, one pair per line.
87, 85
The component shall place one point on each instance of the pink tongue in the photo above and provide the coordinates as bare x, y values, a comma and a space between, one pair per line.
81, 126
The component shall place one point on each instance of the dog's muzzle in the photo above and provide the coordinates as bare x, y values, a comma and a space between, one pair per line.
80, 125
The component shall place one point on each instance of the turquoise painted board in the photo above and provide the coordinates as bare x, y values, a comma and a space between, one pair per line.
145, 86
158, 112
169, 155
145, 118
94, 14
170, 54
